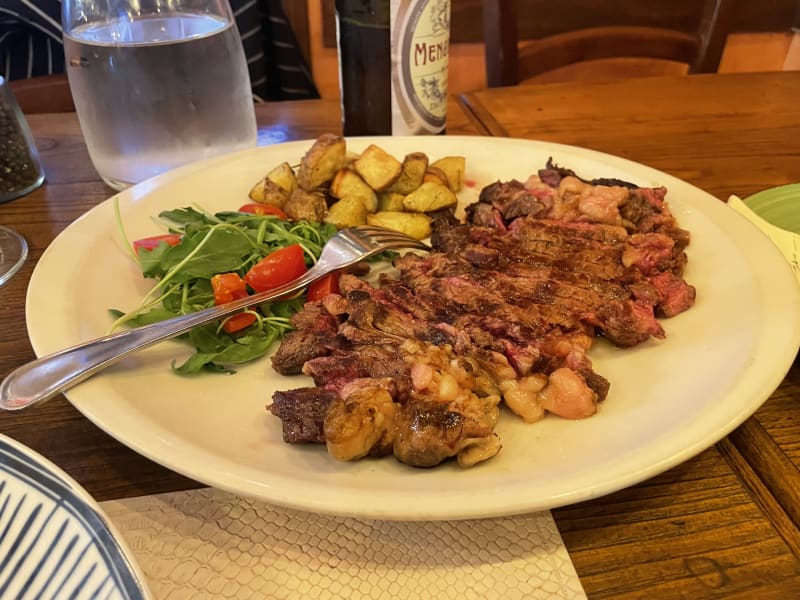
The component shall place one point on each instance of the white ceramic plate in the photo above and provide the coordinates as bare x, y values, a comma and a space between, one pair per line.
54, 540
668, 401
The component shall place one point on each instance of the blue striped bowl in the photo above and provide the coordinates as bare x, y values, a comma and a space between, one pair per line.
54, 540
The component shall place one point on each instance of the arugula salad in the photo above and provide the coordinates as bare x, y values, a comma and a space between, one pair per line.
209, 259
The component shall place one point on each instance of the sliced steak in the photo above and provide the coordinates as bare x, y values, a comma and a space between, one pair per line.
302, 412
315, 334
362, 361
506, 308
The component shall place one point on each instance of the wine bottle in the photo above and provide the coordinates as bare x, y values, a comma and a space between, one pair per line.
393, 58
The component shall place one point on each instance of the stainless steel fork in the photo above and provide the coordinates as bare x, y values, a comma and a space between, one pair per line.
45, 377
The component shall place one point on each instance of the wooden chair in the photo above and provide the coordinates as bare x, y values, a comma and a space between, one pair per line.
49, 93
510, 61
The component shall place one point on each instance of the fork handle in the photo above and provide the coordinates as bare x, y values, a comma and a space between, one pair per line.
41, 379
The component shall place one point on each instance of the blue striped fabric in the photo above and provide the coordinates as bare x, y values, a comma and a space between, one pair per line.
30, 45
30, 38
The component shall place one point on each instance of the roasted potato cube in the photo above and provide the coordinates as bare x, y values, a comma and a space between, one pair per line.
267, 191
453, 168
322, 161
377, 167
428, 197
304, 205
347, 212
258, 192
435, 175
414, 167
283, 175
276, 186
416, 225
349, 183
390, 201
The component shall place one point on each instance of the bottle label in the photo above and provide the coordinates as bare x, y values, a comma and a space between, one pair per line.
420, 41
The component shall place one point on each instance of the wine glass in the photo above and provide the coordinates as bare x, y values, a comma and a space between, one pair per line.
20, 174
13, 252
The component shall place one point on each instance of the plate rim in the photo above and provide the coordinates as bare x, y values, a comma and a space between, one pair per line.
503, 506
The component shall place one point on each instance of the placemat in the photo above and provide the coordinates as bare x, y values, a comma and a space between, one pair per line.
209, 543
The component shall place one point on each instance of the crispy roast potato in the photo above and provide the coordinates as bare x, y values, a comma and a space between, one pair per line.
377, 167
417, 225
302, 205
322, 161
434, 175
267, 192
349, 183
284, 176
413, 170
371, 186
347, 212
390, 201
428, 197
276, 186
453, 168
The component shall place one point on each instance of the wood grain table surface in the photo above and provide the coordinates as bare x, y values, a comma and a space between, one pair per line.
727, 134
725, 523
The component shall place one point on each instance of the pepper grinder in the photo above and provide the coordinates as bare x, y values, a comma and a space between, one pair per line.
20, 174
20, 171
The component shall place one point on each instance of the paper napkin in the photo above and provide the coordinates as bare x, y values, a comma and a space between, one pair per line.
212, 544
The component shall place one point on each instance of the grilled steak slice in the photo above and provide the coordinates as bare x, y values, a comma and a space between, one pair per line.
565, 197
315, 334
521, 303
552, 175
603, 261
603, 252
675, 295
297, 347
512, 199
302, 412
343, 366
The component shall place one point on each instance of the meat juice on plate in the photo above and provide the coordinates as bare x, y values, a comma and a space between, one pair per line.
158, 92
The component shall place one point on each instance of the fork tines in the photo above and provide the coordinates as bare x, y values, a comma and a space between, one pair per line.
385, 236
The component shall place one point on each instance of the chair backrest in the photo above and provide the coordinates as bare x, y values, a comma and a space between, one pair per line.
48, 93
510, 60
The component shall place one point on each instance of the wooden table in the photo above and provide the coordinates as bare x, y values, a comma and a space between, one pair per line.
733, 134
724, 524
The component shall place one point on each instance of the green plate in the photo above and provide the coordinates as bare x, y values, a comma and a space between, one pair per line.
779, 206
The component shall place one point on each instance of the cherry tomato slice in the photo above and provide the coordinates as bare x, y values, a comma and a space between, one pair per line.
238, 322
282, 266
151, 243
228, 287
322, 287
263, 209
